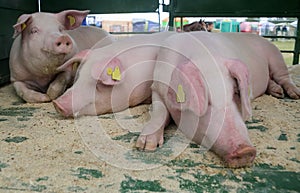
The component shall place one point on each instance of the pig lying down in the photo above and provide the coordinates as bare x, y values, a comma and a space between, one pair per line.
204, 82
42, 43
111, 78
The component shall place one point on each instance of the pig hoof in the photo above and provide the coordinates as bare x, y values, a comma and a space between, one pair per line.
294, 93
149, 142
242, 157
275, 90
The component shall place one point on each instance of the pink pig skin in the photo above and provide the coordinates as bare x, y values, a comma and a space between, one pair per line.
43, 42
219, 74
96, 92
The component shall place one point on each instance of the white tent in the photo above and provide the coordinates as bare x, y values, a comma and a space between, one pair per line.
291, 28
294, 24
266, 27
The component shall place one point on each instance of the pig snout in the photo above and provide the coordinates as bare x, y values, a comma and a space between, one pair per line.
243, 156
63, 45
63, 106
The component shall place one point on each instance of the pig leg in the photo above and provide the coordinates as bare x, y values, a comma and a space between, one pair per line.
274, 89
279, 73
291, 89
29, 95
59, 85
152, 134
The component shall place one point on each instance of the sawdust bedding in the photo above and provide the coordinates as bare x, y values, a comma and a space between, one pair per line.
42, 152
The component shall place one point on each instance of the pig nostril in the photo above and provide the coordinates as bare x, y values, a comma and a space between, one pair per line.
58, 44
68, 44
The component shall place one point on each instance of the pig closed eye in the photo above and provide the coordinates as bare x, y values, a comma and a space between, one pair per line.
61, 29
34, 30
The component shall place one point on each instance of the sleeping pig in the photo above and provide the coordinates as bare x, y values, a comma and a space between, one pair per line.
204, 82
43, 43
111, 78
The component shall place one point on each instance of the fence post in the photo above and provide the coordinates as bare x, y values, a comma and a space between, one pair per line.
297, 44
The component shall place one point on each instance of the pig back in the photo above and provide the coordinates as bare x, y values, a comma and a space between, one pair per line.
247, 48
87, 36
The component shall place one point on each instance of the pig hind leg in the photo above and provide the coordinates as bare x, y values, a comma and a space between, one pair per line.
152, 134
279, 75
275, 89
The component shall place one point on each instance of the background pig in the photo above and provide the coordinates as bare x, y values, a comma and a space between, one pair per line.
113, 77
42, 43
205, 82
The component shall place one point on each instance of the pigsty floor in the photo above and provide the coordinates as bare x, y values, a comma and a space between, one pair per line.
42, 152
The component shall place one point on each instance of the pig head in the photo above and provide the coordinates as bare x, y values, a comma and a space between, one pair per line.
41, 45
111, 78
211, 115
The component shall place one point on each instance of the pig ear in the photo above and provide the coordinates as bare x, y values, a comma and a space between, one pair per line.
239, 71
22, 23
73, 63
188, 90
71, 19
111, 74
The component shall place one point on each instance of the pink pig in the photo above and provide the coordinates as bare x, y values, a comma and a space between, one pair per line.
205, 81
41, 45
111, 78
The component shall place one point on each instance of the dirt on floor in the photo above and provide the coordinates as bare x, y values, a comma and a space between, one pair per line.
40, 151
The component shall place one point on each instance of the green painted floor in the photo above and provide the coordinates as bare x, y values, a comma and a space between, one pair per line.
42, 152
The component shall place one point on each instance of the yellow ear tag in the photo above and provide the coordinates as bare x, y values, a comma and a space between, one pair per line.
75, 66
116, 75
109, 71
72, 20
23, 26
180, 95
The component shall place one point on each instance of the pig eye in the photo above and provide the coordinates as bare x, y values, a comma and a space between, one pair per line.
34, 30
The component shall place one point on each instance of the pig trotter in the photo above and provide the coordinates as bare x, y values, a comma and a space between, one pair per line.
292, 90
150, 142
59, 85
275, 89
152, 135
242, 157
55, 91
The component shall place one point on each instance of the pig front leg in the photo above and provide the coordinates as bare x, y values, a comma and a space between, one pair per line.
59, 85
152, 134
30, 95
